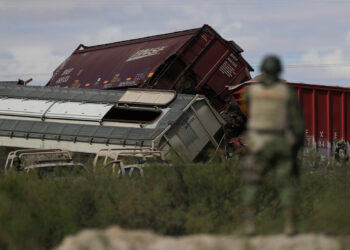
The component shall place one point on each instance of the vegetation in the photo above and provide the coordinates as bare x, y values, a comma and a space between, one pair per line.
38, 212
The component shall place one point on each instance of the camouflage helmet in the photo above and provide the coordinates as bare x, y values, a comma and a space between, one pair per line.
271, 65
341, 143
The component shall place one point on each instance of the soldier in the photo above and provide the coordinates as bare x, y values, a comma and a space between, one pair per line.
17, 164
235, 124
340, 154
275, 133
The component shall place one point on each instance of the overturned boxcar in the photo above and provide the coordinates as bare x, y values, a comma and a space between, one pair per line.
196, 61
86, 120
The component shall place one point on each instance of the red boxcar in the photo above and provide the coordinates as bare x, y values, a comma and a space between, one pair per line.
197, 61
326, 113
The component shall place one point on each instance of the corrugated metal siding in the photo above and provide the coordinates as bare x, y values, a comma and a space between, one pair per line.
326, 112
326, 115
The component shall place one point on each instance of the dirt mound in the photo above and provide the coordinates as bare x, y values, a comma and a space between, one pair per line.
116, 238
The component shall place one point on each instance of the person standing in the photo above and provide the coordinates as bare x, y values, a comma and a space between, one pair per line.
340, 155
17, 164
275, 133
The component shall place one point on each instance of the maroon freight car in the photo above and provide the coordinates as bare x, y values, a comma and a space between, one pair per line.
197, 61
326, 113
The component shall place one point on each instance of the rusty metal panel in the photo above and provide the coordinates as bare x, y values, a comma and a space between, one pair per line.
212, 55
305, 100
321, 120
336, 116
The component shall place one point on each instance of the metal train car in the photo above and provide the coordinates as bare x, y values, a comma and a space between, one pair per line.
87, 120
196, 61
191, 62
326, 112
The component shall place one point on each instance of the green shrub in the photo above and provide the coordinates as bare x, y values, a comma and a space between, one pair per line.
184, 198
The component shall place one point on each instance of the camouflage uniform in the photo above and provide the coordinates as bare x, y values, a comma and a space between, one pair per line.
275, 134
235, 124
17, 164
340, 155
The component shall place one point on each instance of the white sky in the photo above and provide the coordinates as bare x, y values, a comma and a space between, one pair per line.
311, 36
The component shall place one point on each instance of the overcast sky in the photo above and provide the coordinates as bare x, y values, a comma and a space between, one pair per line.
311, 36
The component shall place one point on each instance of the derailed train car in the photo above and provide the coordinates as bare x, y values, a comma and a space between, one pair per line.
197, 61
326, 113
73, 112
84, 120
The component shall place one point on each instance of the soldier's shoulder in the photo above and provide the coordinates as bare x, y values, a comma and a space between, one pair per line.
290, 89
